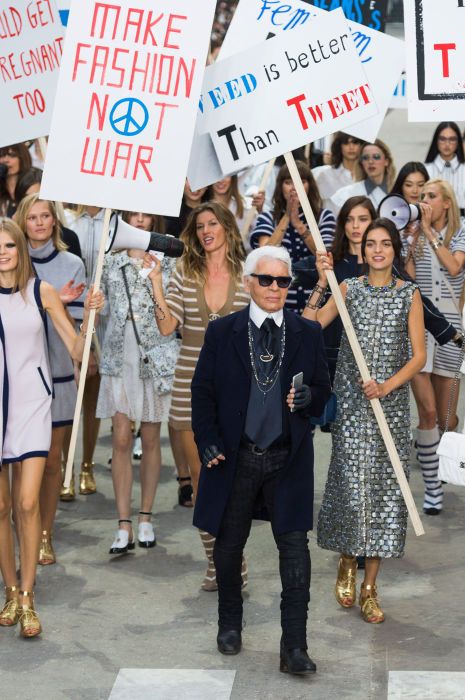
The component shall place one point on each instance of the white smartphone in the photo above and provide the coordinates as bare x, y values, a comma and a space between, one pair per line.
297, 381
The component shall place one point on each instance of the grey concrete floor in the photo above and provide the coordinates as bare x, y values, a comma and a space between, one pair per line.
145, 610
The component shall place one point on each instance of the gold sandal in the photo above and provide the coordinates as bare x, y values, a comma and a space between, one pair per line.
87, 483
368, 601
28, 618
67, 493
46, 552
9, 614
345, 582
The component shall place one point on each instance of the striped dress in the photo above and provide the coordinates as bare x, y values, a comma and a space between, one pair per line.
186, 301
442, 360
265, 226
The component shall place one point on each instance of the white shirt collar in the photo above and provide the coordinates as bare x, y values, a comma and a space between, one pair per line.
441, 163
258, 315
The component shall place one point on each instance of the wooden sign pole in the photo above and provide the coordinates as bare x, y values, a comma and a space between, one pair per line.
356, 349
85, 356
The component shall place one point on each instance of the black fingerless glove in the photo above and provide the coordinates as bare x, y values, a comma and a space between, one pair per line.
302, 397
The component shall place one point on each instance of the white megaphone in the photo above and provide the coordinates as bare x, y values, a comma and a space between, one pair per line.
396, 208
122, 235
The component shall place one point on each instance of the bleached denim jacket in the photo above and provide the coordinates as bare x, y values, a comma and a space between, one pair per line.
161, 352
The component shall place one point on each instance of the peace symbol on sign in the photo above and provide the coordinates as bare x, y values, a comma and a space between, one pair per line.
129, 117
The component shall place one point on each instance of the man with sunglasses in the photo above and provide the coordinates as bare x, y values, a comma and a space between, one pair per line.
254, 437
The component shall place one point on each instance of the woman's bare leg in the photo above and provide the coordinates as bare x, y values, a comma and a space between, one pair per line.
7, 548
51, 482
150, 467
121, 467
28, 477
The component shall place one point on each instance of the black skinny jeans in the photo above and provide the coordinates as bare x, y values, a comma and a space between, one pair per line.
255, 473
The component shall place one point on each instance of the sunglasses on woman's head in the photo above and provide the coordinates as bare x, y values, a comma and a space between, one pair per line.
267, 280
373, 156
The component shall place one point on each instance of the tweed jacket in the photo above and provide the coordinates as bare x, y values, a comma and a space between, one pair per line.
162, 352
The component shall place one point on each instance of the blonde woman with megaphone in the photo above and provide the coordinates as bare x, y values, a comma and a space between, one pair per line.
436, 260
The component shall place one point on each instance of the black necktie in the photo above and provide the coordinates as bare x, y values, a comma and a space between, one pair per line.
447, 164
268, 330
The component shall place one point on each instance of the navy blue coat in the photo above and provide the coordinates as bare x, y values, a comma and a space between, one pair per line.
220, 395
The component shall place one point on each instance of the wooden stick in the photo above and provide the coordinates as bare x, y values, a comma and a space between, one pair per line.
85, 356
252, 213
356, 349
42, 141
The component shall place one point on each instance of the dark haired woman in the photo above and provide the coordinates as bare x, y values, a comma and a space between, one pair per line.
27, 397
378, 174
206, 285
363, 511
17, 160
286, 225
352, 222
344, 169
445, 159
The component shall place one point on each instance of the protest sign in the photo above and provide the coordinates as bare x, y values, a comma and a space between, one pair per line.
63, 9
399, 99
435, 59
382, 56
284, 93
371, 13
31, 46
126, 103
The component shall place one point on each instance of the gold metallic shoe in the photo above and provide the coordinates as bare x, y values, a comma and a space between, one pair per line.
67, 493
9, 614
87, 483
368, 601
28, 618
46, 553
345, 582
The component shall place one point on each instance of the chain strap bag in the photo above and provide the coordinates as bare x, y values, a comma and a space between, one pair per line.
451, 449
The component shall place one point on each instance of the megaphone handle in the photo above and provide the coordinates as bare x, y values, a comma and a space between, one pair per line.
86, 353
356, 349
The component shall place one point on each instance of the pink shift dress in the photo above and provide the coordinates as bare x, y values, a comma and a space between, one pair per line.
25, 386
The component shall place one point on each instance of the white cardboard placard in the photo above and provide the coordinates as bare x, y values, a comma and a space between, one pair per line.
435, 59
31, 46
382, 56
285, 92
126, 103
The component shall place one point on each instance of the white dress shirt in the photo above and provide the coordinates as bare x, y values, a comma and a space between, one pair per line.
258, 315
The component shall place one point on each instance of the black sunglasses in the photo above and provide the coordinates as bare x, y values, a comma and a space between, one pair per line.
267, 280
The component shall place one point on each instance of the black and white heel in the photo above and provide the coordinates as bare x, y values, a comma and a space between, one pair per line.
146, 533
121, 543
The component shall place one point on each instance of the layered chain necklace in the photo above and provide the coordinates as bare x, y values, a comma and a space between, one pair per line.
379, 290
266, 384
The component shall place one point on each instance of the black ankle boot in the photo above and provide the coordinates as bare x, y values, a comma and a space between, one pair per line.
229, 641
296, 661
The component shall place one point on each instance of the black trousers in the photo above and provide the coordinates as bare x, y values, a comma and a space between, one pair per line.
255, 474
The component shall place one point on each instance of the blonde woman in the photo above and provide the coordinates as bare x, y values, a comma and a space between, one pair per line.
26, 388
207, 285
52, 263
436, 260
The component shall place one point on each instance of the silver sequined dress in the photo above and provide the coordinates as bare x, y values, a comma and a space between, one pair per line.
363, 511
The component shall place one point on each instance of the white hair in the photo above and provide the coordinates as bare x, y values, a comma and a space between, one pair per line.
269, 252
